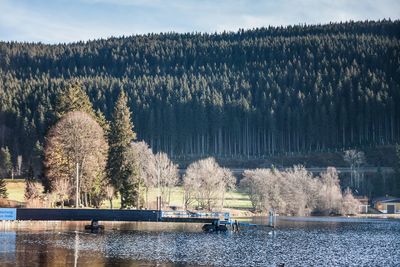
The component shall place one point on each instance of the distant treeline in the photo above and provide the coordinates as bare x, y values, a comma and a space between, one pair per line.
250, 93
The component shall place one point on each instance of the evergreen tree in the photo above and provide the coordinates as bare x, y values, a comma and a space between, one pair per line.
74, 99
29, 180
378, 184
397, 178
102, 121
119, 168
253, 93
5, 162
3, 188
37, 161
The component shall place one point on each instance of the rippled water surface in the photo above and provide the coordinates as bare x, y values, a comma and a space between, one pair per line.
295, 242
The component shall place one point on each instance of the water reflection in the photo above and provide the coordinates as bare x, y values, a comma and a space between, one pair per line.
76, 249
296, 241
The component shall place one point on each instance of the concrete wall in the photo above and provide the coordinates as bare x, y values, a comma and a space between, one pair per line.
383, 207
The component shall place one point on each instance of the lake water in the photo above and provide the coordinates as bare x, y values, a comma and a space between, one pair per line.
295, 242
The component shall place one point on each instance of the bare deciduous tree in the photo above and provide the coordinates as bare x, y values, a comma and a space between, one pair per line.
146, 167
300, 191
62, 190
350, 205
230, 183
294, 191
264, 187
166, 173
76, 139
34, 194
330, 195
355, 159
110, 194
206, 182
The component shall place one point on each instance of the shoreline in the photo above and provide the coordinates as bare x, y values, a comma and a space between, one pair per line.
377, 216
245, 214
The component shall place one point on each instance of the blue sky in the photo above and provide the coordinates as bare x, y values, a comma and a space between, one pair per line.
54, 21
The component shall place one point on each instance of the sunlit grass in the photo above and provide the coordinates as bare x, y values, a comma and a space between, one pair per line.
15, 189
234, 199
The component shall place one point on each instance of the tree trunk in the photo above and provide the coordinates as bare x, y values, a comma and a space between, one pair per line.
138, 196
122, 201
147, 197
169, 196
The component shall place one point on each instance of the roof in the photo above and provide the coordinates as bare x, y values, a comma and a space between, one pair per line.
392, 201
387, 199
362, 199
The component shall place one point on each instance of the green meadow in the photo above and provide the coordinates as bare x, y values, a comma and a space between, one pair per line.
233, 199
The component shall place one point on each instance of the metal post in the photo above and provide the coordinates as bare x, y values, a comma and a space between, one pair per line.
272, 218
77, 186
158, 185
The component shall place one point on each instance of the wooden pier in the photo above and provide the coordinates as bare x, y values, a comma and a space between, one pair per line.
42, 214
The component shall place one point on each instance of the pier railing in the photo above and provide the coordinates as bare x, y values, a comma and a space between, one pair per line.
225, 216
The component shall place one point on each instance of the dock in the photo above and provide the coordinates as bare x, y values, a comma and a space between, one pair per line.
43, 214
213, 221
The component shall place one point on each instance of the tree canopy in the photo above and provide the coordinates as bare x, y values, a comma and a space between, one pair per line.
206, 183
248, 93
295, 191
122, 167
76, 139
5, 163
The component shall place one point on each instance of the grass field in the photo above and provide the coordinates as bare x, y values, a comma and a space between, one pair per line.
235, 199
15, 189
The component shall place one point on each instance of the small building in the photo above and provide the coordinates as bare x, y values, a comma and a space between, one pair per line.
364, 203
387, 204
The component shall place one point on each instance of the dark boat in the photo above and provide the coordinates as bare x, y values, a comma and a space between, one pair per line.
214, 228
94, 226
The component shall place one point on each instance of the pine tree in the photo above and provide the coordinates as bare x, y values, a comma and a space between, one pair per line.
397, 178
29, 180
311, 93
74, 99
101, 120
3, 188
5, 162
121, 135
37, 160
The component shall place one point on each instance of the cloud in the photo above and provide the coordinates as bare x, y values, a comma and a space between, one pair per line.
74, 20
29, 25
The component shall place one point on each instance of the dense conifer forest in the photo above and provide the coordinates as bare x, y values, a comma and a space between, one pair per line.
251, 93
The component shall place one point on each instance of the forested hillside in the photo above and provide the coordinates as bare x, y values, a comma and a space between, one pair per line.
251, 93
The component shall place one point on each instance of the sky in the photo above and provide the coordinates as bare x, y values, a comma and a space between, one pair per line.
60, 21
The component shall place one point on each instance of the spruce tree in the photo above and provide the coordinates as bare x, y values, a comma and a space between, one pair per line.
120, 137
5, 162
397, 178
76, 99
73, 99
3, 188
